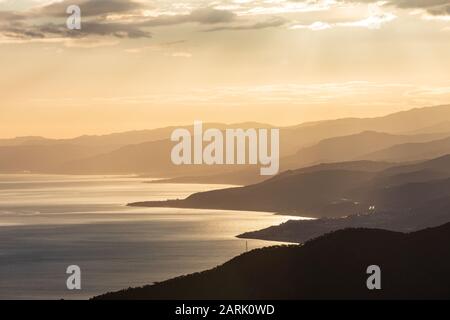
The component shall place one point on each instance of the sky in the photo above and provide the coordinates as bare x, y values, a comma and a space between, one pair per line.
139, 64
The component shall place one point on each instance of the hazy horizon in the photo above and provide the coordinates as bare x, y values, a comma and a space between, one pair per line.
186, 123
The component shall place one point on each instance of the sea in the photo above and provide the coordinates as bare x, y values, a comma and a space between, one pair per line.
51, 222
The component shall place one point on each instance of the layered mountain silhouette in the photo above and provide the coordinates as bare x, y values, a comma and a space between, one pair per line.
312, 194
413, 266
331, 190
359, 146
121, 139
147, 152
134, 152
412, 151
403, 198
44, 158
342, 195
442, 126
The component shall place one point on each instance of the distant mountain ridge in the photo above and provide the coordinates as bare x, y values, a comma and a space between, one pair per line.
329, 190
341, 195
147, 152
412, 151
355, 146
305, 194
405, 198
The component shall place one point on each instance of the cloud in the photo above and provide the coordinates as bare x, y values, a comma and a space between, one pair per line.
374, 21
21, 32
440, 10
48, 21
90, 7
51, 30
135, 18
97, 25
277, 7
269, 23
425, 4
11, 16
316, 26
118, 30
210, 16
201, 16
434, 7
181, 54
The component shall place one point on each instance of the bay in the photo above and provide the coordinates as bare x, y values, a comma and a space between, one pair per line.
48, 222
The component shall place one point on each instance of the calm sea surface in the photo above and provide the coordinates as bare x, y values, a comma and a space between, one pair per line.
48, 222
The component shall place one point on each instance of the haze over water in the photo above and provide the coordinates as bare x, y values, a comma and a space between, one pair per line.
49, 222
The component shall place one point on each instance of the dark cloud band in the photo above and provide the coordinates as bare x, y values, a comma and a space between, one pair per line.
435, 7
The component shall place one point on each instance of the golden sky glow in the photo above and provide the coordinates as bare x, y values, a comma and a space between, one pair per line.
144, 64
